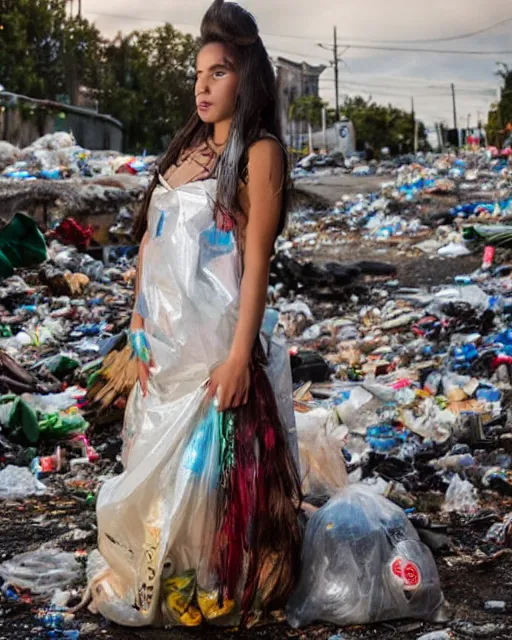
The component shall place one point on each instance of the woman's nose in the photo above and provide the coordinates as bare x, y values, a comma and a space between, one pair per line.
202, 86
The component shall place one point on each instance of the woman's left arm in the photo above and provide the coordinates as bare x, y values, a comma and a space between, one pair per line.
231, 380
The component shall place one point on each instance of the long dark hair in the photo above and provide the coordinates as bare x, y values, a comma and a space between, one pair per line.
256, 112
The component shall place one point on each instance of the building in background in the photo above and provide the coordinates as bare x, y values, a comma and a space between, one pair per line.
295, 80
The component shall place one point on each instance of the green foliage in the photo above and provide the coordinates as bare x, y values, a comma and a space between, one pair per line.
147, 83
500, 114
31, 47
382, 126
143, 79
307, 109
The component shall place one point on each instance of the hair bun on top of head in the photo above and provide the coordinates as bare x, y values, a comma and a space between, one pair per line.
229, 22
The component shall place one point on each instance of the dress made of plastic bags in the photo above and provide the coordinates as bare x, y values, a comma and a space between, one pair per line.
363, 562
182, 531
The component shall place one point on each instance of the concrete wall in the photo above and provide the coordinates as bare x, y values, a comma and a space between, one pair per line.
23, 120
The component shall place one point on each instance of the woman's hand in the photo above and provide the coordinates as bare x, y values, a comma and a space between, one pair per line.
142, 352
143, 374
230, 383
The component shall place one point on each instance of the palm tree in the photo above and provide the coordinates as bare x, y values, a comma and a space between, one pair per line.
308, 109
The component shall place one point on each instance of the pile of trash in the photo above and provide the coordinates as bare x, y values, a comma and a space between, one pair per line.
441, 205
56, 156
403, 401
54, 179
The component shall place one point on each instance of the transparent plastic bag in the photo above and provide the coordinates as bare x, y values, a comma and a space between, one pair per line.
42, 571
461, 496
321, 441
363, 562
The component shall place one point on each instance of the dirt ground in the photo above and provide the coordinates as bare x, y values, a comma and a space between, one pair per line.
468, 581
468, 577
331, 188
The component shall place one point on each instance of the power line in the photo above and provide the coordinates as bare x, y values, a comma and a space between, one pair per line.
461, 36
444, 51
347, 38
300, 54
348, 46
414, 89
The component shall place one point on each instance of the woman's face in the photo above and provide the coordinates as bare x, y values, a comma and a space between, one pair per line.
216, 83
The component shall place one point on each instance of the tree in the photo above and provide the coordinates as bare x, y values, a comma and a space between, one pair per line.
500, 115
382, 126
31, 47
144, 79
308, 109
148, 84
83, 54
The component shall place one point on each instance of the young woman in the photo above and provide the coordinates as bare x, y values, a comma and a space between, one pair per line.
202, 523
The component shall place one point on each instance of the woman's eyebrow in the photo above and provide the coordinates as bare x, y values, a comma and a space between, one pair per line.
226, 65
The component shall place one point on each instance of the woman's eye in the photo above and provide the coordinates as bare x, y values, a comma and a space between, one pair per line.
219, 74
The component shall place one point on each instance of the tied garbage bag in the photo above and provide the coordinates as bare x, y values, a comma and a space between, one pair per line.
363, 562
21, 245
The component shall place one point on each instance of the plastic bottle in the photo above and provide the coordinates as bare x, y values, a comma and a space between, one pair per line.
54, 619
463, 460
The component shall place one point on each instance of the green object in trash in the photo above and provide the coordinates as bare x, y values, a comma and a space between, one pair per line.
5, 331
22, 425
60, 365
56, 425
21, 245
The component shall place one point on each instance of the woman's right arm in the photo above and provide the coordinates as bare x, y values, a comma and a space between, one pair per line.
137, 321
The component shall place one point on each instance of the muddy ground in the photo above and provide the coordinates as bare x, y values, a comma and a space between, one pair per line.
468, 580
468, 577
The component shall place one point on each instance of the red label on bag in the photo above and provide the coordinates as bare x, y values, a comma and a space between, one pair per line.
411, 576
396, 568
408, 573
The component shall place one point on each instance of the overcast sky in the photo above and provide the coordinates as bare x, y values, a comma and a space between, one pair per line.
293, 29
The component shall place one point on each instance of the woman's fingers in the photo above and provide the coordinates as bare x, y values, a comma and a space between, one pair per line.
143, 377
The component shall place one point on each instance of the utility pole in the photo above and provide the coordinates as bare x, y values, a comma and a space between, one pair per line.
336, 83
335, 63
413, 118
79, 8
455, 123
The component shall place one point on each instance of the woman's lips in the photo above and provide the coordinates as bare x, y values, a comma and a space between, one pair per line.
204, 106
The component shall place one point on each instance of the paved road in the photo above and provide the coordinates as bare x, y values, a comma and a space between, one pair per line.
332, 188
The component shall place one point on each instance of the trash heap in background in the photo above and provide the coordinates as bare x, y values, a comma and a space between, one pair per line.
402, 395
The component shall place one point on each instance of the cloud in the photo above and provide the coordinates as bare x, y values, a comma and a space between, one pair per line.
389, 76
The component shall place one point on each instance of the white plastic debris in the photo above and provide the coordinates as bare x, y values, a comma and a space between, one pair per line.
461, 497
42, 571
17, 483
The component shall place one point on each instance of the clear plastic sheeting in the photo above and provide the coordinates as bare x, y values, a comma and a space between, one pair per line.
17, 483
42, 571
461, 496
363, 562
321, 441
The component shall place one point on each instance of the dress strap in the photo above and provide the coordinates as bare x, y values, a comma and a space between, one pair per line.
164, 182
